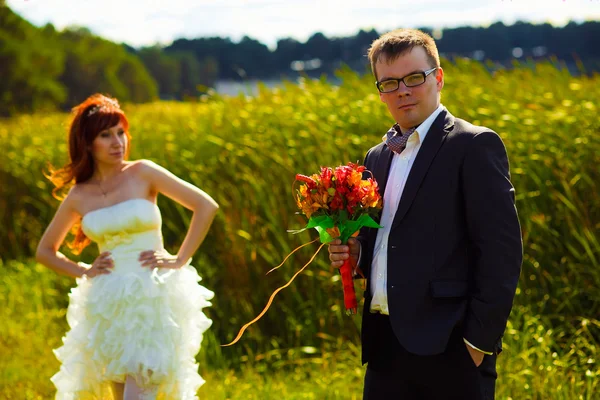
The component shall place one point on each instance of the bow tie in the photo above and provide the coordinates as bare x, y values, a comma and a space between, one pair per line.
396, 140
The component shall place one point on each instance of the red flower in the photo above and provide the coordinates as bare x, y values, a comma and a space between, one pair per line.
309, 181
326, 175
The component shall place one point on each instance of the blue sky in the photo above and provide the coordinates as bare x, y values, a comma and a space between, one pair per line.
146, 22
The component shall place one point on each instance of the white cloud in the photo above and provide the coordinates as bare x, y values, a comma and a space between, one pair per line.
143, 22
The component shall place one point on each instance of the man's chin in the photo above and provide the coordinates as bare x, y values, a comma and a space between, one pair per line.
406, 123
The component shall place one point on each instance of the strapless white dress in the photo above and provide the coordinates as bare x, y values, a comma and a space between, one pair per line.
134, 321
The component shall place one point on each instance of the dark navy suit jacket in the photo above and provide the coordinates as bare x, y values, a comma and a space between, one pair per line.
455, 248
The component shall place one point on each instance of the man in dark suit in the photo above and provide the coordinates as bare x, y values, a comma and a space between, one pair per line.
443, 270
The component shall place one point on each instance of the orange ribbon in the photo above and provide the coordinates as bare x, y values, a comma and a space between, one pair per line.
241, 332
288, 256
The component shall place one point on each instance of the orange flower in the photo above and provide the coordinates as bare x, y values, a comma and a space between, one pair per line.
354, 178
333, 232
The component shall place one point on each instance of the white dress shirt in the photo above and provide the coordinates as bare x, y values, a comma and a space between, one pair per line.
399, 171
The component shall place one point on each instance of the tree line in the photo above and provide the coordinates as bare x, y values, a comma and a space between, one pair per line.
43, 68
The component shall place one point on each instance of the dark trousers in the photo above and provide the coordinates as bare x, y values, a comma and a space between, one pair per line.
394, 373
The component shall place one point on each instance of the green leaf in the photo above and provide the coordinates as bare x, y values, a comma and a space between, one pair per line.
348, 228
323, 235
369, 222
324, 221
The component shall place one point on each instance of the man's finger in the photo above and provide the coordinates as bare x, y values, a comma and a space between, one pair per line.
339, 248
338, 256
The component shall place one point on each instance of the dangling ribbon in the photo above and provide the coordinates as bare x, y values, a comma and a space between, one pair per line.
241, 332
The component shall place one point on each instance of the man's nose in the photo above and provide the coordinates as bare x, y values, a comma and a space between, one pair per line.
403, 90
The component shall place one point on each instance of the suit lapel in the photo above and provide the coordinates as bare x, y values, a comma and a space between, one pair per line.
382, 168
429, 148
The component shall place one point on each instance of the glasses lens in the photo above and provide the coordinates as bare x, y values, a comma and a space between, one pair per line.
388, 86
414, 80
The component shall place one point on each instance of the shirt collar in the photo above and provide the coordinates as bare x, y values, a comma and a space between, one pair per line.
422, 129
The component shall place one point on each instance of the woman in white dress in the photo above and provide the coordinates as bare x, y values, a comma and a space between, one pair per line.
135, 316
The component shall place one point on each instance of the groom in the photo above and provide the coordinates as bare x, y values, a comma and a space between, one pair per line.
443, 270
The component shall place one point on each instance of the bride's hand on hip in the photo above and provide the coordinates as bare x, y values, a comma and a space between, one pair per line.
101, 265
159, 259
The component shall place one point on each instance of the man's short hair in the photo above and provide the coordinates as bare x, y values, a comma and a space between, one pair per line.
393, 44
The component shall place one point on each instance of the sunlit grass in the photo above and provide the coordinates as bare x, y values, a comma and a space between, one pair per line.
538, 362
245, 151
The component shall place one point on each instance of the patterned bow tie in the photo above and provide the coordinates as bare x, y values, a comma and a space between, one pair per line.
396, 140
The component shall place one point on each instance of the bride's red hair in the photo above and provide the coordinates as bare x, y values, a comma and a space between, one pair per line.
95, 114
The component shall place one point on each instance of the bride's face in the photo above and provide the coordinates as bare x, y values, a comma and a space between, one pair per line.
110, 145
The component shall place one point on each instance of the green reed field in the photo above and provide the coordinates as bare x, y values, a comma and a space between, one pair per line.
245, 151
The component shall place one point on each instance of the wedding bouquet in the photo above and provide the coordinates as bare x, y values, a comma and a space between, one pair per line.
338, 202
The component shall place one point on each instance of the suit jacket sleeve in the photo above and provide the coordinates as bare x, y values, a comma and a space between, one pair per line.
495, 241
366, 253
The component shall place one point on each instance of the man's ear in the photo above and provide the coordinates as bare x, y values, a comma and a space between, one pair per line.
439, 77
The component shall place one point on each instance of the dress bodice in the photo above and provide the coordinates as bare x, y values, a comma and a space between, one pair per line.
130, 226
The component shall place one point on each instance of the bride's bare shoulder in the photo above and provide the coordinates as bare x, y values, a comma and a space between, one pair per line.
143, 168
140, 165
77, 197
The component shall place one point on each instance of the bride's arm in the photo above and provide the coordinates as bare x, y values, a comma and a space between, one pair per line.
189, 196
47, 250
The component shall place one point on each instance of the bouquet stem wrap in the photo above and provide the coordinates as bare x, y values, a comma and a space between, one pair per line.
348, 283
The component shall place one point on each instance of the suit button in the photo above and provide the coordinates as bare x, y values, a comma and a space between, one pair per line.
393, 247
392, 287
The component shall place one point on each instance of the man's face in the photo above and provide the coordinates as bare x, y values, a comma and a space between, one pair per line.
410, 106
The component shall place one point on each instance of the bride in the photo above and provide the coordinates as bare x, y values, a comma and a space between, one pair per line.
135, 316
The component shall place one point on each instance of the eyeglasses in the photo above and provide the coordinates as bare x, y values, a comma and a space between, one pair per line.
412, 80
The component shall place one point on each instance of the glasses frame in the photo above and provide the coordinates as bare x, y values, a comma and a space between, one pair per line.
398, 80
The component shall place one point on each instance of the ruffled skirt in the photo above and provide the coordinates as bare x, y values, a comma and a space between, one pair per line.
147, 325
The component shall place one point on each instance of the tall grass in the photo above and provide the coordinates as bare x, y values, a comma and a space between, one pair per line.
245, 151
538, 362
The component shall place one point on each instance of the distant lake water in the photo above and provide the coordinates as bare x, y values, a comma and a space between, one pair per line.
249, 87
